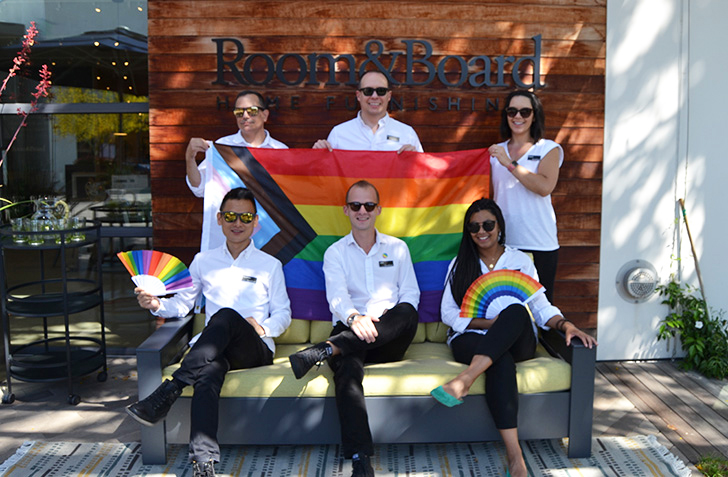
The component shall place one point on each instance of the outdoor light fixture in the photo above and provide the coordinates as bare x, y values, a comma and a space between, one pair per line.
637, 281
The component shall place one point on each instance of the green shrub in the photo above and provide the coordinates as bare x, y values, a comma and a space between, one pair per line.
712, 466
703, 336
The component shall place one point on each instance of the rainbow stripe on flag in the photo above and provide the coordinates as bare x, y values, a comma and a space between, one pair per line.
423, 198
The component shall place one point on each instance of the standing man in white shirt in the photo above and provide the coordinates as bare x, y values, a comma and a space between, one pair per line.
373, 296
251, 113
372, 129
247, 306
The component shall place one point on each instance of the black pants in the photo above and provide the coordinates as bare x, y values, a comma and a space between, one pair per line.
396, 329
508, 341
227, 342
545, 263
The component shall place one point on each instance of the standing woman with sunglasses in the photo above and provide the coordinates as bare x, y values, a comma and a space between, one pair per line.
524, 172
494, 344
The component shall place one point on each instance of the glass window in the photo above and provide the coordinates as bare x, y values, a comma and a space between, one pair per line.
87, 142
92, 133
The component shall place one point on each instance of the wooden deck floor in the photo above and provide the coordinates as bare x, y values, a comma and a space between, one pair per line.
688, 412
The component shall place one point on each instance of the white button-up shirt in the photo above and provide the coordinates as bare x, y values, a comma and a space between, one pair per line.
213, 193
252, 284
368, 283
355, 135
511, 259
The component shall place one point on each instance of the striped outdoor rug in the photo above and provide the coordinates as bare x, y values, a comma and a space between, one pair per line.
611, 456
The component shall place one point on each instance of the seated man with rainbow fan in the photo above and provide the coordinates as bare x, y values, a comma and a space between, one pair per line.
246, 307
484, 303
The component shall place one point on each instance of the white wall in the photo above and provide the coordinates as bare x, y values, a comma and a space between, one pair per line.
707, 164
662, 124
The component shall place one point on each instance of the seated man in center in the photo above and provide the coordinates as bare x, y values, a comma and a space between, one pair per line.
373, 296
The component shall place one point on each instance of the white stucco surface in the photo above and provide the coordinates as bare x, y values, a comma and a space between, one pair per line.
662, 142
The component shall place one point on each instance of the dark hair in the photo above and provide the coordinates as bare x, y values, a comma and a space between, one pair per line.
467, 262
239, 193
538, 125
363, 184
358, 85
263, 102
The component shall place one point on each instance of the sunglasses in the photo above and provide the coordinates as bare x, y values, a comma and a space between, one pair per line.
525, 112
381, 91
245, 217
252, 111
474, 227
355, 206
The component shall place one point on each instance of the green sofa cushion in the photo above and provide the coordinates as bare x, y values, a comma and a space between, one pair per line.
426, 366
298, 332
315, 331
321, 330
437, 332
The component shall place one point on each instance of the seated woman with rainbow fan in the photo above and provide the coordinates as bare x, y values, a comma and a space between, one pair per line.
487, 287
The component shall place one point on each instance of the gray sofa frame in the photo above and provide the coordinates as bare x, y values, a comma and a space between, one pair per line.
400, 419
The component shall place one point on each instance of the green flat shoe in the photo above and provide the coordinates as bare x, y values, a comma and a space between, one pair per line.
444, 398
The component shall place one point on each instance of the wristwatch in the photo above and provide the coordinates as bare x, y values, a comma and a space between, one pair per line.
350, 320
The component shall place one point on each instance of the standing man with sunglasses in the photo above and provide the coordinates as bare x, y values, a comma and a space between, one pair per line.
251, 112
372, 129
373, 296
247, 306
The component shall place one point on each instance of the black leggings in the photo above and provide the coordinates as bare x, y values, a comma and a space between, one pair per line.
545, 263
508, 341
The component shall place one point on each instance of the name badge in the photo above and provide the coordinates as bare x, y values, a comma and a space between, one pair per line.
534, 158
393, 138
386, 263
250, 279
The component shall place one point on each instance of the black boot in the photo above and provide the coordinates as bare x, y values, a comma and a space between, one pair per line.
203, 469
156, 406
361, 466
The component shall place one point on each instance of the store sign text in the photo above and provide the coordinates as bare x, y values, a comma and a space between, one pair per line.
293, 69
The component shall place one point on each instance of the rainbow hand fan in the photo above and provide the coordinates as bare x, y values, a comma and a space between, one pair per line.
502, 287
158, 273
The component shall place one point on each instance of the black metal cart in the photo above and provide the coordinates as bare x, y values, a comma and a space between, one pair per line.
55, 356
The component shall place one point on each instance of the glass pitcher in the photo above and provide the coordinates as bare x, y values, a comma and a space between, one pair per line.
48, 208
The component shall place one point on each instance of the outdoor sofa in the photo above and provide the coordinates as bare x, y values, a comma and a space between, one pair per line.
267, 405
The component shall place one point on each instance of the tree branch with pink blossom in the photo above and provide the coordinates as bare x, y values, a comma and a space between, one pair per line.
23, 55
42, 90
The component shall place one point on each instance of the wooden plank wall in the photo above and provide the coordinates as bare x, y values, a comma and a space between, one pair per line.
184, 101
